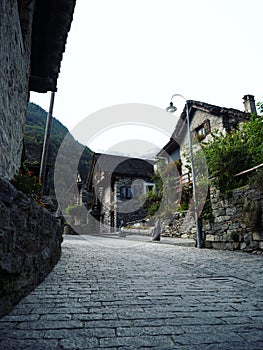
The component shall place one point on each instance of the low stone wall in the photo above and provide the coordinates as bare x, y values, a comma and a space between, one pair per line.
180, 225
238, 221
30, 245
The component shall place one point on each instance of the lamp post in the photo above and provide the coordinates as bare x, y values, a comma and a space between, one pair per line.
79, 185
171, 109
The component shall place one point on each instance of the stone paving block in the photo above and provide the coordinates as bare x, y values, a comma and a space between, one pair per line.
207, 338
88, 317
64, 333
20, 318
7, 325
188, 321
18, 334
148, 330
141, 297
110, 316
77, 343
28, 344
108, 323
21, 310
71, 324
56, 317
237, 320
148, 322
138, 342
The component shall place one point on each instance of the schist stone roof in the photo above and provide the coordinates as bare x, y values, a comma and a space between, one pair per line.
51, 24
181, 126
119, 166
214, 110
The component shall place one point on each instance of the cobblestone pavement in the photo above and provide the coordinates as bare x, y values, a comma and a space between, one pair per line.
122, 294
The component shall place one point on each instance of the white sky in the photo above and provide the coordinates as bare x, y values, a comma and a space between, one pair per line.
144, 51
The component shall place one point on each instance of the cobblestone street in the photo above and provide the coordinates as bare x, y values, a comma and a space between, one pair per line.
121, 294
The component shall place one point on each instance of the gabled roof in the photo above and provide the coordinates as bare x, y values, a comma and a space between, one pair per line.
51, 24
119, 166
181, 126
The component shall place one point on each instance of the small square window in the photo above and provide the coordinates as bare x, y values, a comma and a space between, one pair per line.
203, 130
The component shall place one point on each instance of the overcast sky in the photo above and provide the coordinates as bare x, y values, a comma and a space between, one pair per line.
143, 51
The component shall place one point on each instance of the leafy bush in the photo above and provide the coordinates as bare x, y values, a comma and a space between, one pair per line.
152, 199
75, 210
167, 190
232, 153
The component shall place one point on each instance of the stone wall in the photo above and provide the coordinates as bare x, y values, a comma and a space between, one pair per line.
238, 221
179, 224
15, 46
30, 245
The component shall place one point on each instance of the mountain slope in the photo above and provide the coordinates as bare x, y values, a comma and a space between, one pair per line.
34, 136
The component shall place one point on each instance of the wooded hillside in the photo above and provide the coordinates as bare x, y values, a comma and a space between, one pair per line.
34, 136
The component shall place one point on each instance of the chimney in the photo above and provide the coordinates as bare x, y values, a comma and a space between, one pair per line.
249, 104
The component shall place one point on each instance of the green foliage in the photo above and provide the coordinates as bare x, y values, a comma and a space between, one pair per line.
26, 182
76, 213
75, 210
233, 153
166, 196
154, 198
260, 107
186, 193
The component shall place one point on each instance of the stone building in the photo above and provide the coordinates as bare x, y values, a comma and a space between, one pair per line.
33, 36
117, 184
237, 221
204, 119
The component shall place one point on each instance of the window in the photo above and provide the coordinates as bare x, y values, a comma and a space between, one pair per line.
149, 187
203, 130
125, 193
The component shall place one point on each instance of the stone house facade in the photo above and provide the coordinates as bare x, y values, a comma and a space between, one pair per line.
33, 36
15, 51
237, 221
204, 119
117, 184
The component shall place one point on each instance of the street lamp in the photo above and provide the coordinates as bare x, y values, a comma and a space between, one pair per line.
171, 109
79, 185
